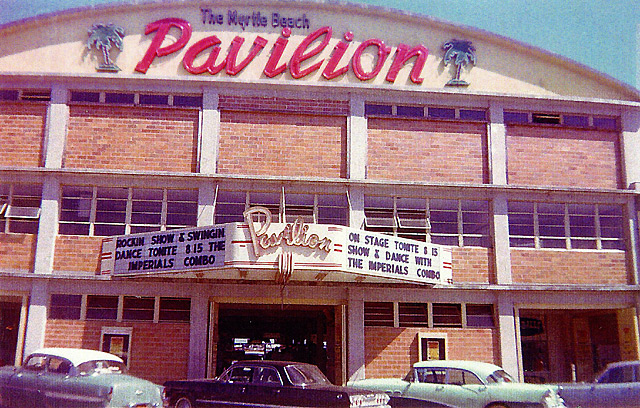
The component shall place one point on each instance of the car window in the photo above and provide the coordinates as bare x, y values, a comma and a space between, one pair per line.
461, 377
98, 367
618, 375
303, 374
431, 375
59, 365
241, 374
267, 375
35, 363
500, 376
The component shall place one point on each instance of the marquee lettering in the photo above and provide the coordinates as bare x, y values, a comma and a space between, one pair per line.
293, 234
312, 45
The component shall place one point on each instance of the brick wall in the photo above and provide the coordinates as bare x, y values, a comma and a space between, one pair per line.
473, 265
17, 252
77, 253
542, 156
282, 145
422, 150
132, 138
390, 352
159, 351
568, 267
284, 105
21, 134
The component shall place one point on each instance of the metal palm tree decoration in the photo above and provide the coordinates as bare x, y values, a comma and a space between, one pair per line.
462, 53
101, 36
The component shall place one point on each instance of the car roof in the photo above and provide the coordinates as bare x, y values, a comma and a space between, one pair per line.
77, 355
478, 367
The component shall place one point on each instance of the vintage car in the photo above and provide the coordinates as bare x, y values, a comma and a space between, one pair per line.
269, 384
467, 384
618, 385
67, 377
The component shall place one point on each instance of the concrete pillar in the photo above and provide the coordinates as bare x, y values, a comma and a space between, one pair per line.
47, 226
497, 144
356, 139
502, 251
631, 145
206, 204
209, 132
55, 132
508, 338
198, 336
36, 317
355, 335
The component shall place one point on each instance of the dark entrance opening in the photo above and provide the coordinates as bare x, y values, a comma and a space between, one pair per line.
9, 327
272, 332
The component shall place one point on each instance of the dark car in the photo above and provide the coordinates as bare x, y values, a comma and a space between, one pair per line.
617, 386
270, 383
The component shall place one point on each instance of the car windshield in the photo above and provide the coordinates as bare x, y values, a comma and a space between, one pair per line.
305, 375
500, 376
97, 367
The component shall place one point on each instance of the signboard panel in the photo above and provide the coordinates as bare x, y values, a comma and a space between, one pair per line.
337, 253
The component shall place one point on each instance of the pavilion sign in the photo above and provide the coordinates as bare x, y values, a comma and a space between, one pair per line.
333, 252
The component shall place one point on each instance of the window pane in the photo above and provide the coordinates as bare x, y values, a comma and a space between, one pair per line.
138, 308
333, 209
175, 309
413, 314
299, 206
65, 306
102, 307
230, 206
447, 315
378, 314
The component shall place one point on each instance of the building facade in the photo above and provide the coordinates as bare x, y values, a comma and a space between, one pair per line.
136, 120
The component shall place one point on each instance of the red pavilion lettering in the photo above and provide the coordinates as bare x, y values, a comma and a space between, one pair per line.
298, 65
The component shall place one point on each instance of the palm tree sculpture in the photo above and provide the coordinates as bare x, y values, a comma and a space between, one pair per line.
101, 36
462, 53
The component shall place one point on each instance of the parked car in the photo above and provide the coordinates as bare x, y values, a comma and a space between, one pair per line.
468, 384
618, 385
269, 383
67, 377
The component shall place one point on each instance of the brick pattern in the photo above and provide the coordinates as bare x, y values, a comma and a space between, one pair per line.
428, 151
568, 267
390, 352
542, 156
282, 145
284, 105
159, 351
17, 252
473, 265
77, 254
128, 138
21, 134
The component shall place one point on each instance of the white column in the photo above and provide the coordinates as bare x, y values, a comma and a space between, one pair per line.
497, 140
47, 226
209, 132
355, 335
206, 203
36, 317
502, 251
356, 139
508, 338
55, 132
198, 336
631, 145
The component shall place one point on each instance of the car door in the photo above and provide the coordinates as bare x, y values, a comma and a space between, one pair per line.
616, 388
234, 390
24, 387
266, 387
448, 386
62, 390
427, 383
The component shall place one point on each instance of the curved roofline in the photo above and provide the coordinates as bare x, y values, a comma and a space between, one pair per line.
78, 356
566, 62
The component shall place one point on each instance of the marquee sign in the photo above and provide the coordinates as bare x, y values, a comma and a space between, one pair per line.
298, 250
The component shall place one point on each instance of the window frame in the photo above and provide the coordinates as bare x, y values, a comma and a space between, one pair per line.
14, 197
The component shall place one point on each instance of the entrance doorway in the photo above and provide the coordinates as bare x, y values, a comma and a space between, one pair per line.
9, 329
303, 333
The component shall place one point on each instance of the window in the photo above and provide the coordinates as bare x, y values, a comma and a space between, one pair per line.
67, 307
413, 314
432, 347
378, 314
566, 226
558, 119
432, 112
410, 111
129, 98
116, 340
442, 113
457, 376
102, 307
480, 315
447, 315
284, 206
138, 308
440, 221
175, 309
107, 211
20, 208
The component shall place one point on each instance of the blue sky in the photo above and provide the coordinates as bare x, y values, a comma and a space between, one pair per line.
603, 35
